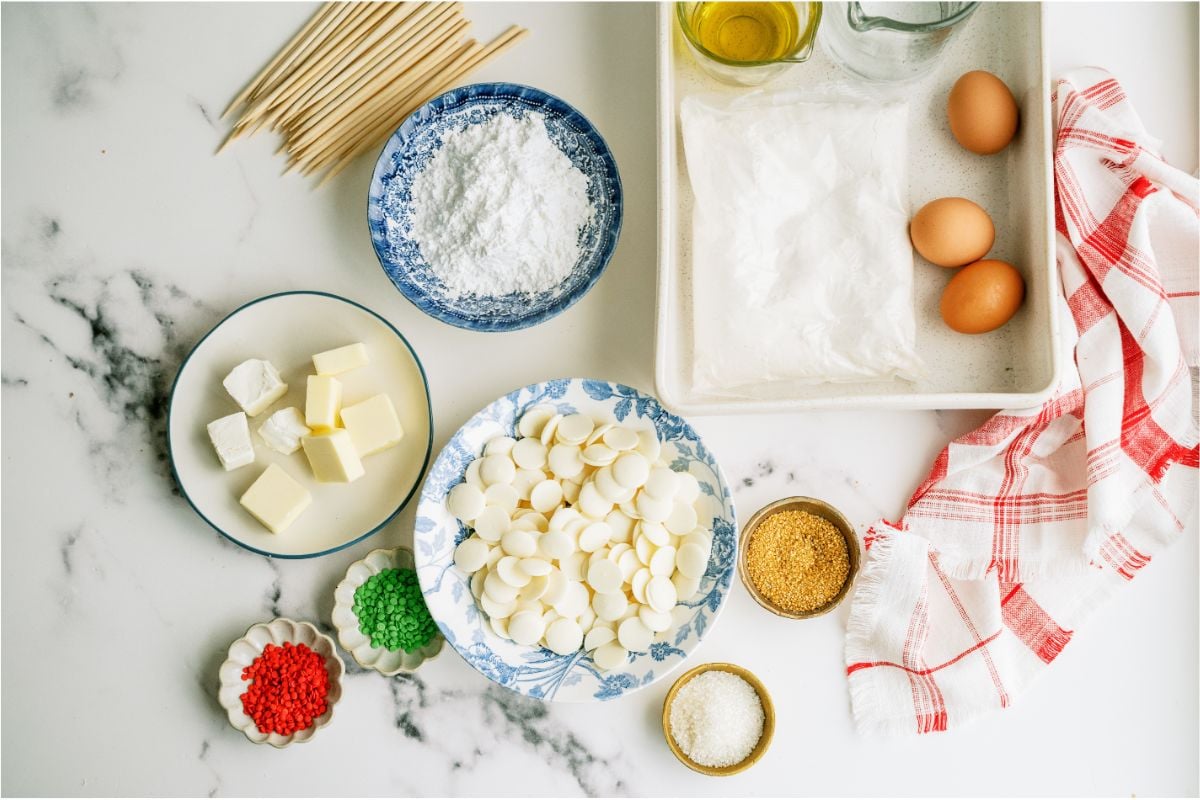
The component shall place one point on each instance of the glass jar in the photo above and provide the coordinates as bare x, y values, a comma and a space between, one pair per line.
891, 42
692, 16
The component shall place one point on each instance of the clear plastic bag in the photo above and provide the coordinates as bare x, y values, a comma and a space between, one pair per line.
801, 264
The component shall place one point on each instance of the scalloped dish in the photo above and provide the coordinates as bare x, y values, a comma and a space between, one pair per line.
536, 671
242, 653
352, 639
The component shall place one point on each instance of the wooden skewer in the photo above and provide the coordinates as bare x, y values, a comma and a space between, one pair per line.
384, 32
327, 67
313, 43
316, 41
422, 39
234, 133
476, 59
441, 39
376, 112
311, 71
320, 72
244, 126
387, 51
255, 125
395, 82
283, 53
368, 115
391, 118
381, 108
354, 122
352, 73
503, 42
413, 35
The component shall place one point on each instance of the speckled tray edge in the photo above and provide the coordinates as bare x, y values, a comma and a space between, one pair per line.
1040, 333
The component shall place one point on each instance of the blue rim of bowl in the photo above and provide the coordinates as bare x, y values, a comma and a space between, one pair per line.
610, 237
171, 410
685, 426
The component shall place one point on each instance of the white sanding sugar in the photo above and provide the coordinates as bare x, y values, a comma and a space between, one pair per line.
498, 209
717, 719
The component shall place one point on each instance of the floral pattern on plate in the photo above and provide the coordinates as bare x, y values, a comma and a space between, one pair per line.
404, 156
535, 671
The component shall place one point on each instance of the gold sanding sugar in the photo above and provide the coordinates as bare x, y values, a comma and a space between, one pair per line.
797, 560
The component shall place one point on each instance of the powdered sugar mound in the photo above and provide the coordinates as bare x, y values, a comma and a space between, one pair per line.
498, 209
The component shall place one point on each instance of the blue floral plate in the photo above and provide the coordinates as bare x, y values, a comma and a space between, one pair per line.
535, 671
405, 155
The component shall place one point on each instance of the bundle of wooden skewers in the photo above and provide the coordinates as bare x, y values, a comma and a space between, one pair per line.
353, 73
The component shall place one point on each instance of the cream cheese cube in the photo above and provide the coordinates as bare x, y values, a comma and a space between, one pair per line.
231, 439
255, 384
373, 424
276, 499
283, 429
341, 359
322, 402
332, 456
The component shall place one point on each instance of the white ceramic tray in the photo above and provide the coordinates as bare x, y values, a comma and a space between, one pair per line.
1015, 366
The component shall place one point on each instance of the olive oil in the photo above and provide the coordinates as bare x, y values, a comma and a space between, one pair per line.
747, 31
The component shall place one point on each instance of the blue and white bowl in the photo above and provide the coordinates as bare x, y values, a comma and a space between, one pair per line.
535, 671
404, 156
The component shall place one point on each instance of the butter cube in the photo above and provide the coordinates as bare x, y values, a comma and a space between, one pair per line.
283, 429
276, 499
373, 425
255, 384
231, 439
342, 359
322, 402
332, 456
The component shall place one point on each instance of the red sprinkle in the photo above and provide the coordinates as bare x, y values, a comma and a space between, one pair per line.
288, 688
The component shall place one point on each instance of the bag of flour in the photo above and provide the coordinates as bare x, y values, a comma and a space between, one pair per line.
801, 264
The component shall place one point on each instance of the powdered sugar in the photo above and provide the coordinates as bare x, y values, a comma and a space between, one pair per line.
802, 269
499, 208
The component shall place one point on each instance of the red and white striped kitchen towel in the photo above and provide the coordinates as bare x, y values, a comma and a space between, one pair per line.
1025, 525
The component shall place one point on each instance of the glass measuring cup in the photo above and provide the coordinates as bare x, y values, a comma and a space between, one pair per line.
891, 42
692, 16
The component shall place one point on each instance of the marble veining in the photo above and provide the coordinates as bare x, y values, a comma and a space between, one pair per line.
128, 368
274, 591
80, 59
216, 776
562, 749
69, 540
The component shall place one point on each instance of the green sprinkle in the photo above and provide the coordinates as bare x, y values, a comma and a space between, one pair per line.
391, 611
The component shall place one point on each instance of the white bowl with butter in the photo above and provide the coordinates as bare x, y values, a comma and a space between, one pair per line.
369, 465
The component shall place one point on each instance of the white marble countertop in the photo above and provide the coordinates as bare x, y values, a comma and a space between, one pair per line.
124, 239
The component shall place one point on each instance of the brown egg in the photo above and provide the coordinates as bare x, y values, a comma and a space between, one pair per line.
983, 113
982, 296
952, 231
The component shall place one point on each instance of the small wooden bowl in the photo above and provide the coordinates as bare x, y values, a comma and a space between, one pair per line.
821, 509
768, 719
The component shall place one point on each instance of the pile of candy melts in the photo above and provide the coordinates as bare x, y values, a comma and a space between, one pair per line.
582, 535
